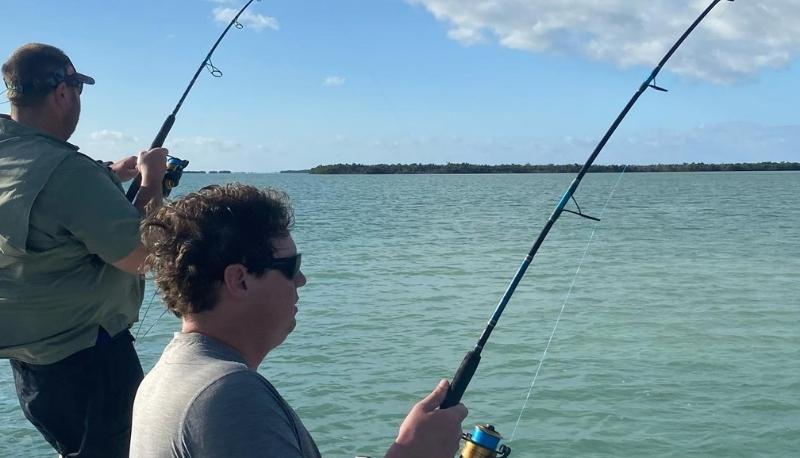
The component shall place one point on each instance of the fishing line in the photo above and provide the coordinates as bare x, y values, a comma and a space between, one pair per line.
564, 304
154, 322
146, 311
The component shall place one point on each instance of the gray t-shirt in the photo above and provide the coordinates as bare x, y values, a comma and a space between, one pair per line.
201, 400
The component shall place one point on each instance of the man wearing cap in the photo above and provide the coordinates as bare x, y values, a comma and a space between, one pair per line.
70, 286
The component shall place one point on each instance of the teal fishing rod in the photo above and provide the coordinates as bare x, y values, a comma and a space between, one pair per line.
470, 363
175, 165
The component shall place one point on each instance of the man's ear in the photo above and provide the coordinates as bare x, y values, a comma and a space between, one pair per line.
61, 95
235, 280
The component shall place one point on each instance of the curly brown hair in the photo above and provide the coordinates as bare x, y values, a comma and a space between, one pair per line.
193, 239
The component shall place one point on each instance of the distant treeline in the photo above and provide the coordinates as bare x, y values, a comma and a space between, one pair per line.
210, 171
548, 168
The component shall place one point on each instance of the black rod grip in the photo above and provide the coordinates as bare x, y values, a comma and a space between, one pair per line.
134, 188
461, 379
158, 142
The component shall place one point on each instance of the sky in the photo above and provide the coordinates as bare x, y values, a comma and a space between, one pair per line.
432, 81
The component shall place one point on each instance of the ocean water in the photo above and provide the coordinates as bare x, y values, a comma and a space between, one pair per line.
679, 337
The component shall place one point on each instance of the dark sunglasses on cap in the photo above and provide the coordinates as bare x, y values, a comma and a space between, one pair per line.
51, 81
76, 80
72, 81
289, 267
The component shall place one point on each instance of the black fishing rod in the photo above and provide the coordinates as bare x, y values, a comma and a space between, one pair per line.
175, 166
472, 359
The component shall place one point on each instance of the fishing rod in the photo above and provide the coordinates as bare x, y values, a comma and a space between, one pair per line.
175, 165
486, 438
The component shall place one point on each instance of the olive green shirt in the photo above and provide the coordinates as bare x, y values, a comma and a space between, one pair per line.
63, 219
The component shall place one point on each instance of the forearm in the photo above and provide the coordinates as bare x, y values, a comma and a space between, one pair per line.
133, 263
152, 167
150, 194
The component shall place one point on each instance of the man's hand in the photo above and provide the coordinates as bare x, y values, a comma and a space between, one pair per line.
430, 432
125, 168
152, 165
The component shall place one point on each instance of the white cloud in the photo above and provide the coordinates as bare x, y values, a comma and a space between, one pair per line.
333, 81
256, 21
735, 41
111, 136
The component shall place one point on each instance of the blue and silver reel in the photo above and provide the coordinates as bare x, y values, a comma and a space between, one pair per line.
173, 174
483, 442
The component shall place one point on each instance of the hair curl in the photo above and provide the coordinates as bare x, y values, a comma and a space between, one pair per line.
193, 239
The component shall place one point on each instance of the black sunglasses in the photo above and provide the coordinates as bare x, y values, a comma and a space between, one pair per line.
289, 267
73, 81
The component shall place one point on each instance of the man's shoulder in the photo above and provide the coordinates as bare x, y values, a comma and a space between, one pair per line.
213, 404
189, 366
195, 370
36, 146
234, 381
36, 155
77, 162
33, 158
243, 403
77, 172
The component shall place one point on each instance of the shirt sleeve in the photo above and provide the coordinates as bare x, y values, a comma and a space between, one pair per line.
87, 201
240, 416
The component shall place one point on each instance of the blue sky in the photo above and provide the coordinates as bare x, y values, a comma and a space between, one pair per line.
500, 81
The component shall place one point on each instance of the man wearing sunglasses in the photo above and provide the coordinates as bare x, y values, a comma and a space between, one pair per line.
226, 264
69, 261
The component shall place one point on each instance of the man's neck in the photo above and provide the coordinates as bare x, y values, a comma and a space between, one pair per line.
36, 120
230, 337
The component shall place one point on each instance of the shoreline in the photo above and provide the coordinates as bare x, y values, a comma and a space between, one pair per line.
465, 168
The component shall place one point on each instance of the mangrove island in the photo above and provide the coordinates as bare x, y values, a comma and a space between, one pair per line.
548, 168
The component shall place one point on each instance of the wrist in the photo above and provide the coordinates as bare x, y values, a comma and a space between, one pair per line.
397, 451
148, 198
151, 179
